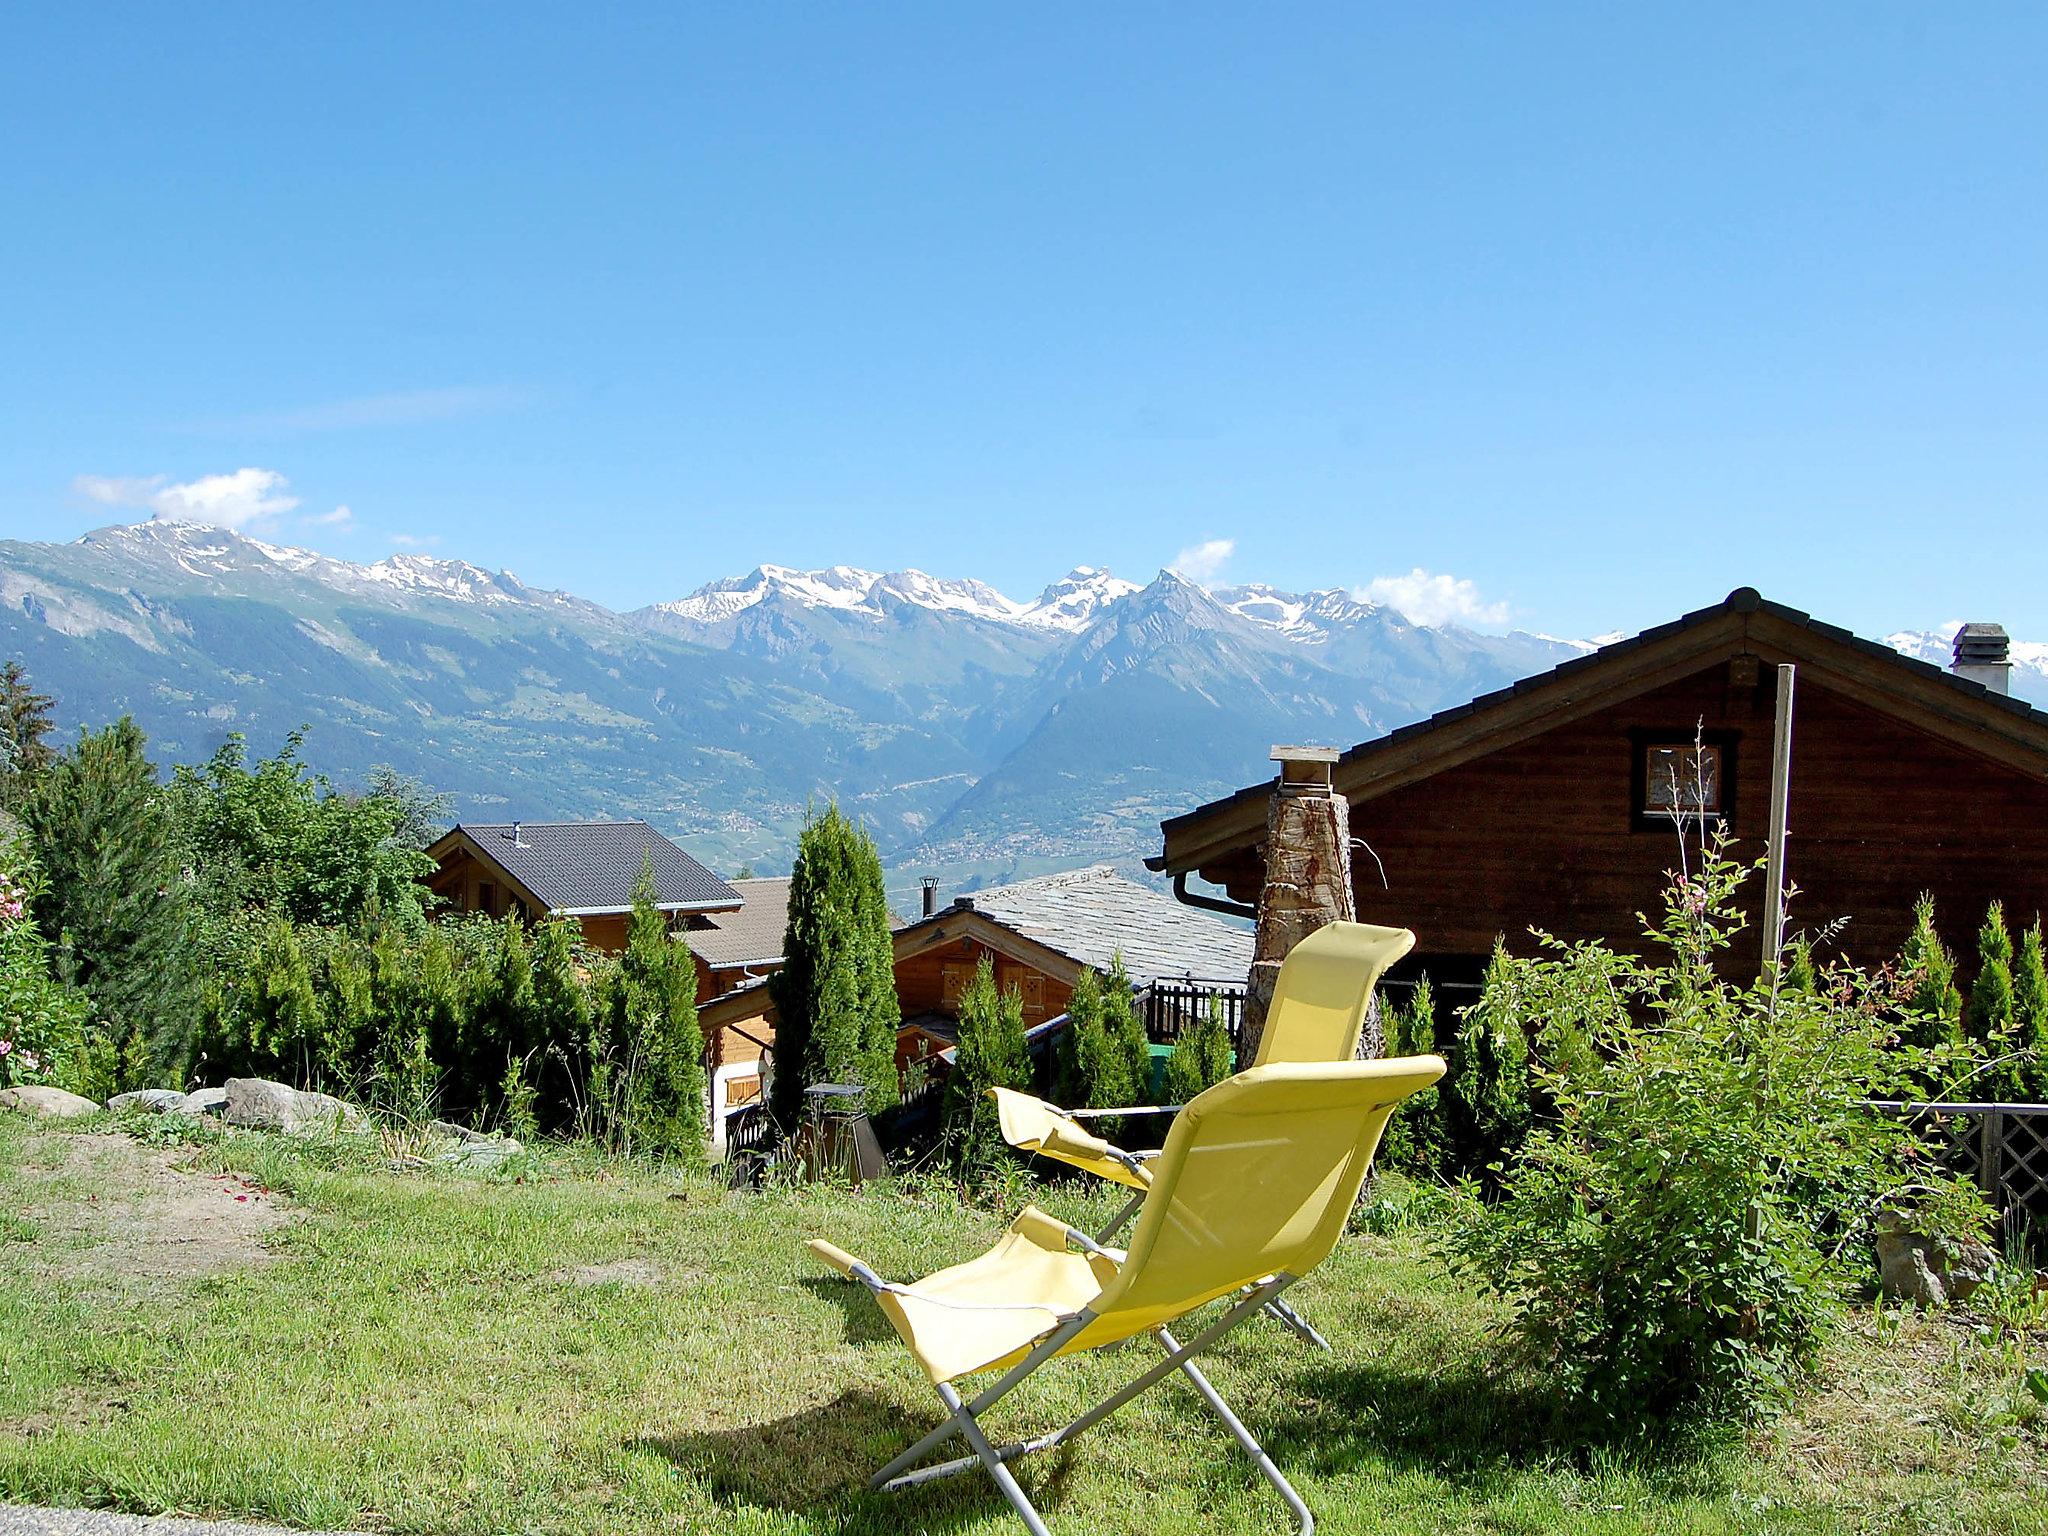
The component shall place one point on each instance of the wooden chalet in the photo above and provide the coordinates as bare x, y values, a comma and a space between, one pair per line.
1551, 803
1038, 935
584, 870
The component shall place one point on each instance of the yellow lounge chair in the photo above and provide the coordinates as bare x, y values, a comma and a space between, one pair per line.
1317, 1014
1249, 1194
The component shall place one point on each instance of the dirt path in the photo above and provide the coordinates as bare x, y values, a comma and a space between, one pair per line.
19, 1520
107, 1205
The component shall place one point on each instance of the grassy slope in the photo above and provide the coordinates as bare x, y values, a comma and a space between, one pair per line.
414, 1364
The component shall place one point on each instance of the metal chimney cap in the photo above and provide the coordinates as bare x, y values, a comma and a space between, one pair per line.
1304, 754
1982, 644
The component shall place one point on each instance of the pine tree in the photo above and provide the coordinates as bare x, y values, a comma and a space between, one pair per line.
555, 1050
1934, 1005
1129, 1065
1201, 1057
113, 906
1417, 1137
1489, 1080
2030, 1015
279, 1009
657, 1045
1990, 1016
25, 725
835, 997
992, 1053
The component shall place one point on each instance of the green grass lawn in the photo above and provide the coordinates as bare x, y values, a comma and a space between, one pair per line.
423, 1355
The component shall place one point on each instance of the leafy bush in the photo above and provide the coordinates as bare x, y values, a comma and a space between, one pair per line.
992, 1053
1202, 1056
43, 1022
1676, 1234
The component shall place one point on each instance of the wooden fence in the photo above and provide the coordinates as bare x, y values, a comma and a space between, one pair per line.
2004, 1147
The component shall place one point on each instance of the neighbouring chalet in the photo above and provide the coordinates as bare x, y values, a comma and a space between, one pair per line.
1037, 934
1549, 803
587, 870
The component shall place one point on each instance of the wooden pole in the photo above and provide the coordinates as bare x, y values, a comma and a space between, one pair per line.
1781, 788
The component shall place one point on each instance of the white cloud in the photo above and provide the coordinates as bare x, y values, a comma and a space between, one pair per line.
243, 499
415, 540
1433, 598
1202, 563
341, 518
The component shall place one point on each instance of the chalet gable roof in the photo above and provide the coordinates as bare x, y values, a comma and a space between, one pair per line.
583, 868
751, 935
2007, 730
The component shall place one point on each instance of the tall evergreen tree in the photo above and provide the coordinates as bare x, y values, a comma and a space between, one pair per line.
657, 1045
1130, 1052
1489, 1079
25, 725
497, 1015
1934, 1004
992, 1053
1418, 1136
835, 996
2030, 1015
1201, 1057
1990, 1016
114, 904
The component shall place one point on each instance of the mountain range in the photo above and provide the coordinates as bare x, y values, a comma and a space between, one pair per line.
980, 737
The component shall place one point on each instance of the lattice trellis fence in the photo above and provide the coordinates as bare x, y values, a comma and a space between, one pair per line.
2004, 1147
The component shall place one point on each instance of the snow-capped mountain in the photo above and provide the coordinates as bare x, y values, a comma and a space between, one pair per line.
1069, 604
1073, 602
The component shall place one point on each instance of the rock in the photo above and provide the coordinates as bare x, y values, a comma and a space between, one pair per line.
206, 1101
1925, 1270
481, 1155
267, 1106
52, 1103
454, 1132
151, 1101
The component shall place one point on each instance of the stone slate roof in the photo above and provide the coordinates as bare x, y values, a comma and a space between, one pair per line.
750, 936
592, 866
1089, 914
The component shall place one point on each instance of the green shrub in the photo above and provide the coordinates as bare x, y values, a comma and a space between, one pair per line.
1128, 1061
1488, 1108
1676, 1234
1989, 1019
1201, 1057
1933, 1014
43, 1022
2030, 1015
992, 1053
652, 1046
1417, 1138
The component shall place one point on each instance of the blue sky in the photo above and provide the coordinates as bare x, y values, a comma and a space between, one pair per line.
1600, 311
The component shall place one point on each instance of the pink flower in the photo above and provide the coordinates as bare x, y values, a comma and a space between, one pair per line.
6, 1046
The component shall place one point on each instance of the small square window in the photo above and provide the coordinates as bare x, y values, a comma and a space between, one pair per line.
1682, 776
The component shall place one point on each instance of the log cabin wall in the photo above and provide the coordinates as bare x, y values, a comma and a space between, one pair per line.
1545, 833
930, 982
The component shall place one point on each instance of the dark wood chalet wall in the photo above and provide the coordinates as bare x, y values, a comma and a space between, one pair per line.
930, 981
1543, 833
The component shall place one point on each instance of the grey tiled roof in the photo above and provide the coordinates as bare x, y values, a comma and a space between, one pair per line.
581, 866
1089, 914
751, 935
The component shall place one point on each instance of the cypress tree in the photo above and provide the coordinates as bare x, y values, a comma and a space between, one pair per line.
114, 904
1934, 1005
1489, 1082
657, 1045
835, 996
992, 1053
497, 1015
2030, 1015
1201, 1057
555, 1049
1990, 1015
1129, 1065
1417, 1136
24, 726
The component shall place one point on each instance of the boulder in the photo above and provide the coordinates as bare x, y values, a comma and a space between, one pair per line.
151, 1101
454, 1132
52, 1103
266, 1106
206, 1101
1925, 1270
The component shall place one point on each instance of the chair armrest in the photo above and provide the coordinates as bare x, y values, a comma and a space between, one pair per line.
1130, 1109
838, 1258
1050, 1232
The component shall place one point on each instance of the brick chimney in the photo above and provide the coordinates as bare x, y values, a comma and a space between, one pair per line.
1308, 881
1983, 654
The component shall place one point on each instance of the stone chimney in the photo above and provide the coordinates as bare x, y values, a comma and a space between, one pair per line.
1308, 881
1983, 654
930, 885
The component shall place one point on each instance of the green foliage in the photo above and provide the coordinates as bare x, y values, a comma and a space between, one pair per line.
1989, 1019
1487, 1103
24, 728
652, 1047
2030, 1015
1417, 1138
114, 903
835, 996
43, 1022
1129, 1052
1934, 1004
278, 837
1095, 1072
992, 1053
1676, 1234
1201, 1057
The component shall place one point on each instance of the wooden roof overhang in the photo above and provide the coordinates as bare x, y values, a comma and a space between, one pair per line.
1221, 841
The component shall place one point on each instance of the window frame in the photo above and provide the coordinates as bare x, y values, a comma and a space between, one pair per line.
1641, 741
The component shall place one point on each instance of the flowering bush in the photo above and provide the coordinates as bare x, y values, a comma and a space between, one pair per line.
42, 1021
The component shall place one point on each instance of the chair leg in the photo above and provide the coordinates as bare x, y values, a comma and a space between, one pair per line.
1005, 1479
1304, 1521
1281, 1312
